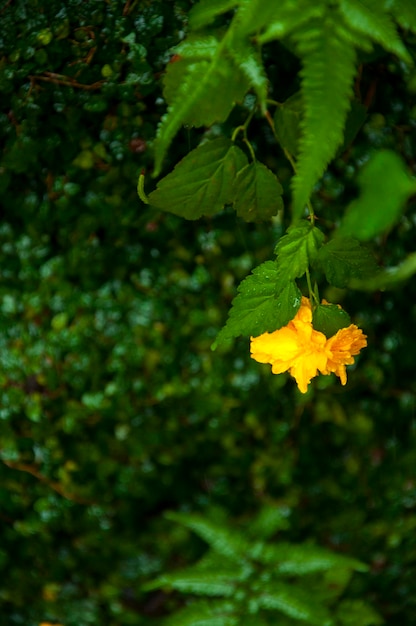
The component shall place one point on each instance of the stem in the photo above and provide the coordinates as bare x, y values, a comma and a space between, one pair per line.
311, 213
140, 189
250, 147
312, 297
243, 129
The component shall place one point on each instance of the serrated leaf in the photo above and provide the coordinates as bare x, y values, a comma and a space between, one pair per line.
302, 559
249, 61
295, 603
287, 119
273, 21
404, 12
329, 65
344, 258
202, 182
230, 544
206, 91
369, 19
257, 193
298, 249
357, 612
192, 581
205, 11
385, 188
270, 519
266, 301
203, 613
329, 319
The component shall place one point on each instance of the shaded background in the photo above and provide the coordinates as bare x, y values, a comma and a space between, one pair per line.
113, 408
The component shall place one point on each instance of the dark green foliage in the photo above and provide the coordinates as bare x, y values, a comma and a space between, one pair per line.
266, 301
344, 258
298, 248
113, 408
254, 576
386, 182
329, 319
257, 193
203, 182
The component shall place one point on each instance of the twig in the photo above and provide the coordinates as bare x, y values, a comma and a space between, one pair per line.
61, 79
30, 469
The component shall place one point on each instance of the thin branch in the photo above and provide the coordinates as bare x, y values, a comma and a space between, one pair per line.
61, 79
31, 469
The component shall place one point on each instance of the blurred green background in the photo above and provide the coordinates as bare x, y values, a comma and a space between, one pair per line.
113, 408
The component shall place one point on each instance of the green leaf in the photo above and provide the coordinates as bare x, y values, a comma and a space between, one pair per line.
385, 188
272, 21
230, 544
368, 18
357, 612
205, 582
329, 319
329, 64
355, 120
257, 193
388, 278
202, 182
249, 62
270, 519
266, 301
404, 12
344, 258
295, 603
205, 11
203, 613
298, 248
201, 92
302, 559
287, 119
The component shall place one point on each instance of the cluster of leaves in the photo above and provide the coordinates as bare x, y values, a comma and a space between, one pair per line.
113, 407
216, 68
248, 577
310, 126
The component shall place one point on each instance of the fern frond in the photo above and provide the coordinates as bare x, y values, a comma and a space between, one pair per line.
204, 583
295, 603
205, 11
368, 18
203, 613
230, 544
275, 19
298, 560
329, 65
404, 13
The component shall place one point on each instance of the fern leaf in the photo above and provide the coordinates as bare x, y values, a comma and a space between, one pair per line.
329, 65
230, 544
270, 519
217, 582
204, 613
368, 18
298, 560
275, 19
404, 13
205, 11
295, 603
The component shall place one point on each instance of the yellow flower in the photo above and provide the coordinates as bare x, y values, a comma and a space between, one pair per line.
304, 352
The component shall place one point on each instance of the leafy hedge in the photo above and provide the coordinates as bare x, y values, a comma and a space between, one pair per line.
114, 409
